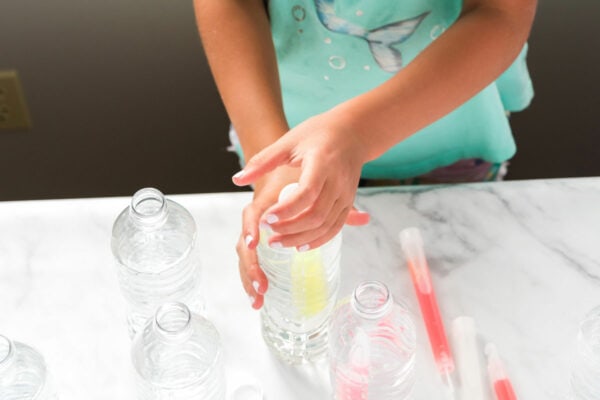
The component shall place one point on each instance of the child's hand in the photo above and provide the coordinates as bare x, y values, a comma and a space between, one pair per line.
265, 195
330, 157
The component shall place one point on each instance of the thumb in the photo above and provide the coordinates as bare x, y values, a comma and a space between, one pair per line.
263, 162
356, 217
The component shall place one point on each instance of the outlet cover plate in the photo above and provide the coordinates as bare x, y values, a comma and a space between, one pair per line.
14, 114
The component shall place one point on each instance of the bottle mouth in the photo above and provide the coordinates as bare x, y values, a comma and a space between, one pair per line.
173, 319
372, 299
148, 204
6, 349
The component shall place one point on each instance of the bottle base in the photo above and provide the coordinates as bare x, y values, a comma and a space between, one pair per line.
293, 347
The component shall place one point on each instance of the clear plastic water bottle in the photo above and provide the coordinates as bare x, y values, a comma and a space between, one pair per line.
154, 245
585, 377
23, 373
372, 346
178, 356
302, 292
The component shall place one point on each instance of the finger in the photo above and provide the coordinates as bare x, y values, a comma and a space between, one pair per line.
264, 161
310, 186
334, 230
257, 277
306, 238
356, 217
323, 211
250, 221
253, 278
258, 282
324, 235
255, 297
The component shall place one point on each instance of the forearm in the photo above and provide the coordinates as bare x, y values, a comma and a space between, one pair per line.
470, 55
238, 45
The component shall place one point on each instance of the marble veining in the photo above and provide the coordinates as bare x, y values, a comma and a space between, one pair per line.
522, 258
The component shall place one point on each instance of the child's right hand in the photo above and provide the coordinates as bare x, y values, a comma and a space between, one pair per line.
266, 193
330, 152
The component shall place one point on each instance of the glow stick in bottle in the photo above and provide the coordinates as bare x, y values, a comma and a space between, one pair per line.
309, 287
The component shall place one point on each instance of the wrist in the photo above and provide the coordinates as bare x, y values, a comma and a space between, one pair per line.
357, 134
255, 138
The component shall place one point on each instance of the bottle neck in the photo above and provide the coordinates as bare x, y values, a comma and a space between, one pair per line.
7, 353
148, 207
371, 300
173, 322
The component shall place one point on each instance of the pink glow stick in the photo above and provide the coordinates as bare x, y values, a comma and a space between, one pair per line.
412, 245
500, 383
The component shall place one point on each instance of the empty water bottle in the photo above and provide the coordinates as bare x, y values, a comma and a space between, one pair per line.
372, 346
302, 292
178, 356
154, 245
23, 373
585, 377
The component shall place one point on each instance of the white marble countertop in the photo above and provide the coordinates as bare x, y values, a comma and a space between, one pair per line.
521, 257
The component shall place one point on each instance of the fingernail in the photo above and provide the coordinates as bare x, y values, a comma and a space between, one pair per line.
256, 285
304, 247
252, 300
239, 174
271, 218
276, 245
248, 239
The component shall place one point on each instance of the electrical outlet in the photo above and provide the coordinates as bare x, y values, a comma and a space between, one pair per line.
14, 114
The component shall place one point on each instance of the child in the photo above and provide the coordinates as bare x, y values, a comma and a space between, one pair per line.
375, 89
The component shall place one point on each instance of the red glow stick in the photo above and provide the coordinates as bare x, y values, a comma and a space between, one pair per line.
412, 245
498, 378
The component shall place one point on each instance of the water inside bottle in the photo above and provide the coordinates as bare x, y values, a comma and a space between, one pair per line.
178, 356
302, 292
157, 258
23, 373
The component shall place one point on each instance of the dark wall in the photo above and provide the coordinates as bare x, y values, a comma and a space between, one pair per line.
121, 97
559, 135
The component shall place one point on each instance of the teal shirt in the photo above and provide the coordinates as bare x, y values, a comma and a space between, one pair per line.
329, 51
